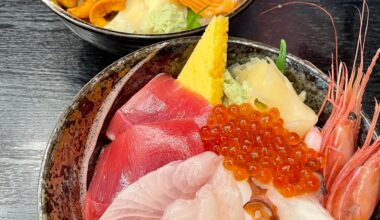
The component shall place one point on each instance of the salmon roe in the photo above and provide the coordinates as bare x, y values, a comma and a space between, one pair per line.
256, 144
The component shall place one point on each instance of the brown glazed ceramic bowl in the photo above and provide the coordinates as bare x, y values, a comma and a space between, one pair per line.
118, 42
59, 183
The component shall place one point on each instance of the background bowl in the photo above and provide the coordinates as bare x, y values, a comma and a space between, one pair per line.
59, 179
118, 42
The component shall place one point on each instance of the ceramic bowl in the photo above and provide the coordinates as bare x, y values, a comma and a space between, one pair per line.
59, 183
120, 43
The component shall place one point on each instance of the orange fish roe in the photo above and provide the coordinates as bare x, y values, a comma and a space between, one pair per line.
256, 144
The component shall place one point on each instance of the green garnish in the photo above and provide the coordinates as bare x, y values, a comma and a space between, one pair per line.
281, 59
260, 105
192, 18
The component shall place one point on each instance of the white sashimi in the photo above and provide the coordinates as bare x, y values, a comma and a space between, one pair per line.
204, 206
313, 138
246, 193
296, 208
218, 200
223, 177
201, 188
148, 197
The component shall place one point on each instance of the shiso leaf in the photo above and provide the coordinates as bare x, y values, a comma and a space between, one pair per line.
281, 59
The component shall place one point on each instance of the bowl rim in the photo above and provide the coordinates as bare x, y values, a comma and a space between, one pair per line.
50, 145
78, 22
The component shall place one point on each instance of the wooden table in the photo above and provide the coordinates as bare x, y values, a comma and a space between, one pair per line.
43, 65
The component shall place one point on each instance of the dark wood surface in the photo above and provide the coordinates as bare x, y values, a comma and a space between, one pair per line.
43, 65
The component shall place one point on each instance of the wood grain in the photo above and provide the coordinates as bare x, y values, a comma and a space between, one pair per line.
43, 65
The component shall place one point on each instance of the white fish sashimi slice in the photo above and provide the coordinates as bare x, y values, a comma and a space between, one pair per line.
166, 185
176, 210
223, 177
144, 202
151, 192
163, 176
220, 199
165, 191
142, 198
230, 203
296, 208
139, 205
229, 193
207, 204
196, 168
203, 206
211, 203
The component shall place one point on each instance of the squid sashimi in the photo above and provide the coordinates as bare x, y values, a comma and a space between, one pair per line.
296, 208
219, 199
163, 98
150, 195
138, 151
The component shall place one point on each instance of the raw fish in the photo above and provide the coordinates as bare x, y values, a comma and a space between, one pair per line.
101, 120
163, 98
211, 203
138, 151
151, 194
296, 208
219, 199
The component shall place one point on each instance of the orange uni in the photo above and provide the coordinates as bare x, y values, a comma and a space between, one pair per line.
102, 8
256, 144
83, 10
67, 3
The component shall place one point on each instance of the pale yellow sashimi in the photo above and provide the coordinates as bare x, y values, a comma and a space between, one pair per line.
264, 82
204, 71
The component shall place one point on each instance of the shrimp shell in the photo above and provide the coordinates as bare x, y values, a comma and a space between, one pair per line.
356, 189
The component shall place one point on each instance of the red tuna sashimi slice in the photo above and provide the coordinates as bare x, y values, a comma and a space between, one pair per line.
163, 98
136, 152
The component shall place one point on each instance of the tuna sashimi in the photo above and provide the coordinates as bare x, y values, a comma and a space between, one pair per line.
219, 199
138, 151
150, 195
163, 98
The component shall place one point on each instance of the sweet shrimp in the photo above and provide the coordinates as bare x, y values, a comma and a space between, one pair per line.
341, 130
355, 192
352, 177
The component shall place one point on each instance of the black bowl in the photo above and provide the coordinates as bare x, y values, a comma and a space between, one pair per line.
59, 183
118, 42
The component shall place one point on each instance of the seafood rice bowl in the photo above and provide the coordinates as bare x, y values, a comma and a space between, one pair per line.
228, 141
